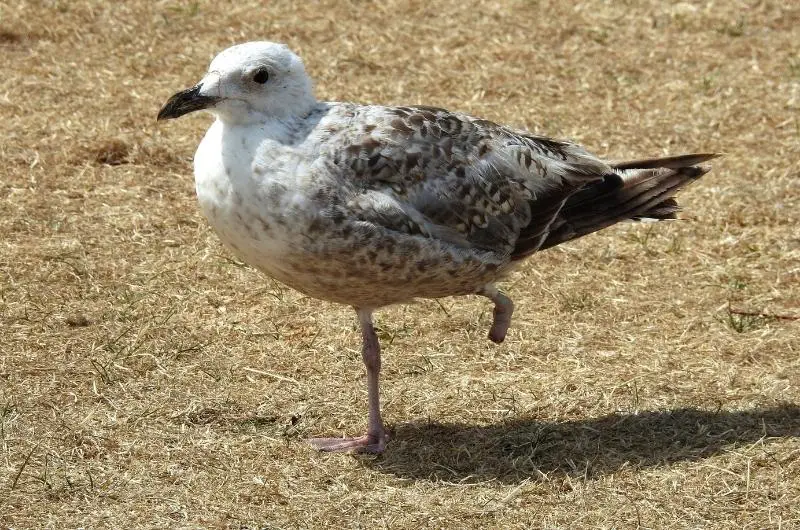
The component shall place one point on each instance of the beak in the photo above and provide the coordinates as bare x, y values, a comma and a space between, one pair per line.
186, 101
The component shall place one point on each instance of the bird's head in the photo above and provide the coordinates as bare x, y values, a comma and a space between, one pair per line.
248, 82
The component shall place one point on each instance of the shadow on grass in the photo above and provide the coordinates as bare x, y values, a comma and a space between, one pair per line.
519, 449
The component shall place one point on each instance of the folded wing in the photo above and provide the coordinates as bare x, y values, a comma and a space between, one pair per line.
470, 182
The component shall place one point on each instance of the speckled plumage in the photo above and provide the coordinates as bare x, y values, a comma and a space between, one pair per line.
371, 205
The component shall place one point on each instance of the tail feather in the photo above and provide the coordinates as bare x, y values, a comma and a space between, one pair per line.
642, 189
669, 162
664, 210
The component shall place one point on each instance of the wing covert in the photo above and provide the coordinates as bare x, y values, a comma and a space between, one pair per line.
472, 182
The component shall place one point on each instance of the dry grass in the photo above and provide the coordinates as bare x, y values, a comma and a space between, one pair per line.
149, 380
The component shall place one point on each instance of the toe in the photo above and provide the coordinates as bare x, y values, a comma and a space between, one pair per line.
361, 444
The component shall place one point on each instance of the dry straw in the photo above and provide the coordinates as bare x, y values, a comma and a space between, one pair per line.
148, 379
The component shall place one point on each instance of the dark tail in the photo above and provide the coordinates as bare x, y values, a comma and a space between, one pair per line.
639, 189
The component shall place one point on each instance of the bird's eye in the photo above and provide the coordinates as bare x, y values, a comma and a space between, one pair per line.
261, 76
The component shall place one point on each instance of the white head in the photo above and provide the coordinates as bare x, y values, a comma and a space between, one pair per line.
248, 83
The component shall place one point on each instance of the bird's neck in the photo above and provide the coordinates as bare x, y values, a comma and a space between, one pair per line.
287, 129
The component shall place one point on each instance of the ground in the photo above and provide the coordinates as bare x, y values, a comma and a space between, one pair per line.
652, 374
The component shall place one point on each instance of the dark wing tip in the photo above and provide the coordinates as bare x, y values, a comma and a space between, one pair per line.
670, 162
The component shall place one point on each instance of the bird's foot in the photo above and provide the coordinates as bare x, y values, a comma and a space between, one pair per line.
498, 333
369, 443
502, 320
503, 309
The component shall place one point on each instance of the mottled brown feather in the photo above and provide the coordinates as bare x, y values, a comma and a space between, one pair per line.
472, 182
452, 173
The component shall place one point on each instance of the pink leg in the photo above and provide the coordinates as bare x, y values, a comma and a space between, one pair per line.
503, 309
375, 439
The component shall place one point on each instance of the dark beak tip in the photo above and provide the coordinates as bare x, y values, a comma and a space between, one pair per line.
184, 102
166, 113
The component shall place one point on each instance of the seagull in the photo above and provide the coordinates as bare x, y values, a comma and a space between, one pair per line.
369, 205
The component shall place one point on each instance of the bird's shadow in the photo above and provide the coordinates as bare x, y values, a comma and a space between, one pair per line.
529, 449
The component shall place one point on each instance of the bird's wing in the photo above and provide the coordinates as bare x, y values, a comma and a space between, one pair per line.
636, 190
471, 182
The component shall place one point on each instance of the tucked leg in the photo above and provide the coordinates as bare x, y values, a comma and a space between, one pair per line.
503, 309
375, 439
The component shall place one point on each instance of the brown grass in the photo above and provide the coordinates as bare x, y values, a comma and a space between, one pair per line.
150, 380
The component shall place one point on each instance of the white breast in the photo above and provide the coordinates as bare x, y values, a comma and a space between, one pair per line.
246, 189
